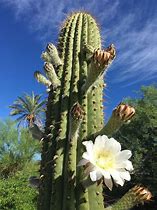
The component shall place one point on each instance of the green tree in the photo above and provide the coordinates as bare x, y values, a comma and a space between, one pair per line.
141, 137
15, 193
29, 108
17, 164
13, 155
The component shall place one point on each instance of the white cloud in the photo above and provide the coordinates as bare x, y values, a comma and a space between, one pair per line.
137, 50
133, 31
45, 16
20, 6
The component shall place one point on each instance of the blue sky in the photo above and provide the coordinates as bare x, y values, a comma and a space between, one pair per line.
27, 25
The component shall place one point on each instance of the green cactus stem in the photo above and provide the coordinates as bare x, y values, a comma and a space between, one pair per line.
99, 62
121, 114
74, 113
136, 195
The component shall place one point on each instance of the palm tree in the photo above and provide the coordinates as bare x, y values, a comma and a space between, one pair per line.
29, 108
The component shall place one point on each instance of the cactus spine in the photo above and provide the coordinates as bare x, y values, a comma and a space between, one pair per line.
74, 112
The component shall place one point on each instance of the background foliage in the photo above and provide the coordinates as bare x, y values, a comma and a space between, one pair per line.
15, 193
140, 136
17, 164
17, 161
16, 148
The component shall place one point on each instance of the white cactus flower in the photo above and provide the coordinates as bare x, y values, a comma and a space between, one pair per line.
104, 159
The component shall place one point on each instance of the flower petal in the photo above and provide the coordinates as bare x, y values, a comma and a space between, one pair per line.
112, 145
124, 174
82, 162
100, 141
123, 155
129, 165
99, 175
89, 146
108, 183
120, 181
106, 174
86, 156
89, 168
105, 158
116, 176
93, 176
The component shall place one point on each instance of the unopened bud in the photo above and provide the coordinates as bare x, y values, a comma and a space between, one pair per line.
40, 78
142, 194
46, 57
76, 116
105, 57
51, 74
53, 52
124, 112
100, 61
77, 112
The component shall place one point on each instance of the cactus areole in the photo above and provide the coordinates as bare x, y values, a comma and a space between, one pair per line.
74, 80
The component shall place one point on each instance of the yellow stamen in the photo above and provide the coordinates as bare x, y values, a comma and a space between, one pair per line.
104, 160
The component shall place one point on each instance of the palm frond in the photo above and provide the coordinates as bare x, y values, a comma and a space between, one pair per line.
39, 107
15, 112
28, 105
24, 103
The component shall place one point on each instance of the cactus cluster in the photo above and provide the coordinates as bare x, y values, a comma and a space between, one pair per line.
74, 73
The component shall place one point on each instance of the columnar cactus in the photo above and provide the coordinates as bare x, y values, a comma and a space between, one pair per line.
74, 78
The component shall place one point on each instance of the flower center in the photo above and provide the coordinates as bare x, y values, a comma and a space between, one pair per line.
104, 160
